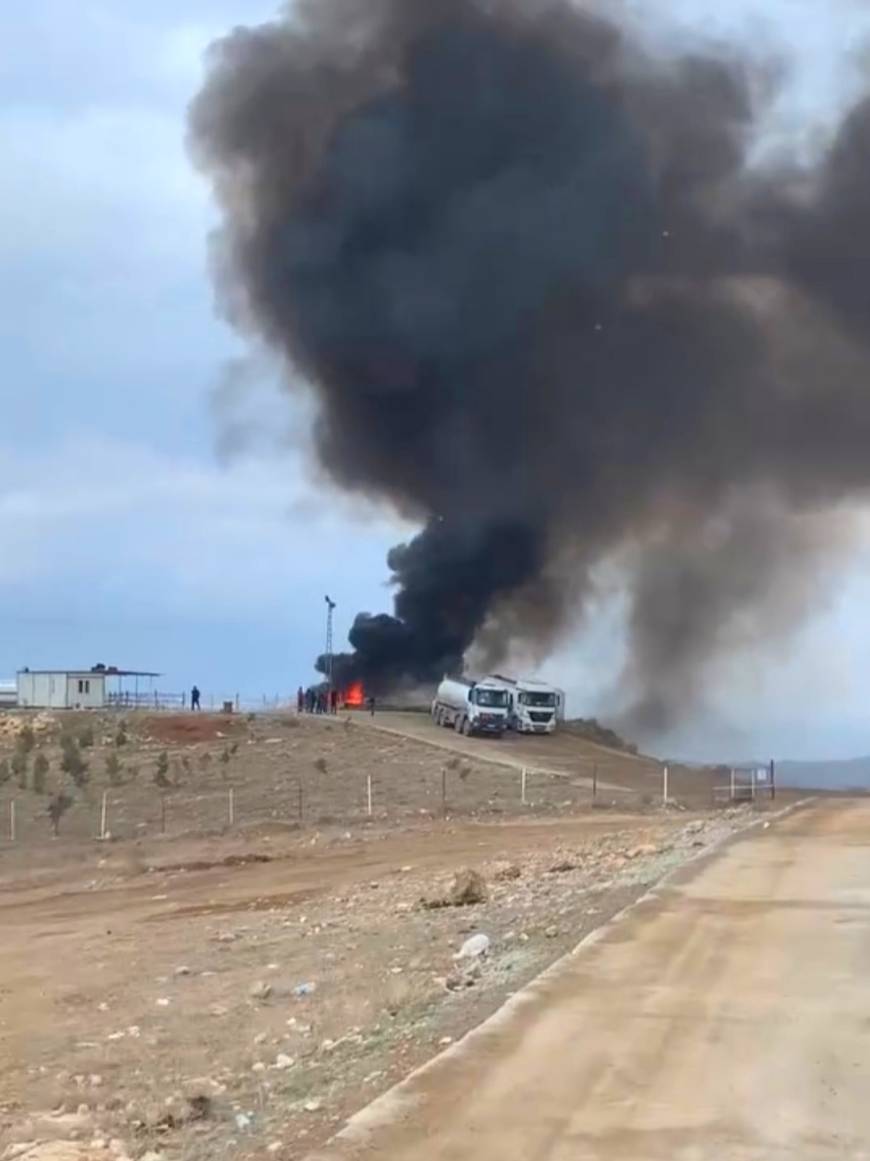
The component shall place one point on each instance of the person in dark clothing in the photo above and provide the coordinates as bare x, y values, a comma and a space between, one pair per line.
195, 699
300, 700
372, 705
309, 700
333, 701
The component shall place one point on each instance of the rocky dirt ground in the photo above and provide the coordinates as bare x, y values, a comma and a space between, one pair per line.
243, 989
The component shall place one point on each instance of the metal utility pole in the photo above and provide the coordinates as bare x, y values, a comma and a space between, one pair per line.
330, 609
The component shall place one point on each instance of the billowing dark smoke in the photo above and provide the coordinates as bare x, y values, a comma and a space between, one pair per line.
548, 310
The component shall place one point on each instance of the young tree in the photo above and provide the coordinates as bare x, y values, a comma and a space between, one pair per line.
56, 809
72, 762
161, 770
121, 738
26, 739
19, 768
226, 758
41, 767
114, 769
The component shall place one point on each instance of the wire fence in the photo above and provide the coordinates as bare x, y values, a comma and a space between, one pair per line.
301, 800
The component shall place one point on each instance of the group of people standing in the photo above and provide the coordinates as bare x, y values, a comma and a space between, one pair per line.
317, 701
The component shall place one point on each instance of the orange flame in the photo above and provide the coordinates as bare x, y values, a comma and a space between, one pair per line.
355, 696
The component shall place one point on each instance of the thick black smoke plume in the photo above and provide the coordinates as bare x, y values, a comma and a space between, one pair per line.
548, 309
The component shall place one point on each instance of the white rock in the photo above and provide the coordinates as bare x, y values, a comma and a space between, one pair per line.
242, 1122
283, 1061
259, 1066
474, 947
313, 1106
183, 970
163, 1002
275, 1147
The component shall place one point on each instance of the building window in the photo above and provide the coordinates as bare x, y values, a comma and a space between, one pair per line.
84, 686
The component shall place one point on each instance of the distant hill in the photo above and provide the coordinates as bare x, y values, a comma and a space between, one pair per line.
851, 774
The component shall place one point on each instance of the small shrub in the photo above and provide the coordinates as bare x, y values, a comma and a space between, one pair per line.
205, 760
114, 770
234, 749
161, 770
72, 762
86, 737
26, 739
5, 771
251, 717
41, 767
56, 809
464, 773
320, 765
186, 764
19, 768
121, 738
226, 758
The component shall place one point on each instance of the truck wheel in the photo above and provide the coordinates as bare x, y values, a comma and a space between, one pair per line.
458, 723
466, 727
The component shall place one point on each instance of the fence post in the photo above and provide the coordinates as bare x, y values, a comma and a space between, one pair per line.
772, 780
523, 781
231, 807
665, 778
733, 783
12, 821
369, 793
443, 791
595, 782
238, 703
103, 813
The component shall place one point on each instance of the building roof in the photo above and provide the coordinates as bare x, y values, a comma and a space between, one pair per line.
108, 671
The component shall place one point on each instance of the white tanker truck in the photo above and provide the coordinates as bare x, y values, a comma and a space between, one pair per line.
471, 707
533, 706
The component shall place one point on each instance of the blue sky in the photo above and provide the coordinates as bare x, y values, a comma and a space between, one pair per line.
128, 535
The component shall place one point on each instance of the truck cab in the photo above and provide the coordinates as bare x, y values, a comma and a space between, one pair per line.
471, 707
534, 707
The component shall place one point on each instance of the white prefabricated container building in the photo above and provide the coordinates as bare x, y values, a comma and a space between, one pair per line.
81, 688
61, 689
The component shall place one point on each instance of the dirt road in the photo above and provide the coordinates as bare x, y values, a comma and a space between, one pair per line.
726, 1017
560, 753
